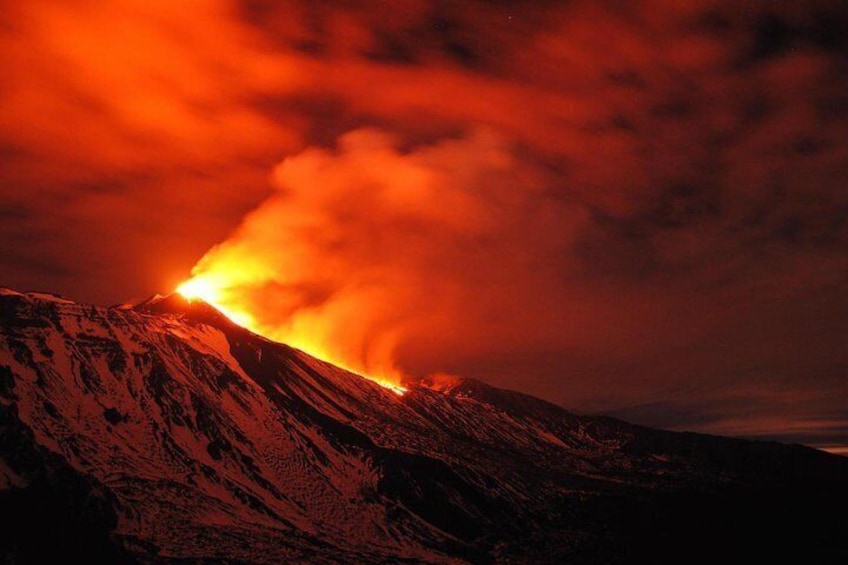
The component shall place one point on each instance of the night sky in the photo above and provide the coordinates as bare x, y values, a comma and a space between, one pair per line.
636, 208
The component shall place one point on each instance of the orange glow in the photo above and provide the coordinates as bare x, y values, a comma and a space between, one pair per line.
334, 261
203, 288
215, 290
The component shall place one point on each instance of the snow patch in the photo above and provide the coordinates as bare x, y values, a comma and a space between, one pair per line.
49, 297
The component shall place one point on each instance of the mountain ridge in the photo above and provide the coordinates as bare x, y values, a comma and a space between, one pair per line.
208, 442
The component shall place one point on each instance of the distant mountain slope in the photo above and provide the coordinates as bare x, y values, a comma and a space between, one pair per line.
165, 433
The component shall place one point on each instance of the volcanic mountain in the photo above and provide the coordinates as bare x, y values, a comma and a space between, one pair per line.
164, 433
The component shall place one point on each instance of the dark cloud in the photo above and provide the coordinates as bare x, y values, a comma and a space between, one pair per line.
633, 204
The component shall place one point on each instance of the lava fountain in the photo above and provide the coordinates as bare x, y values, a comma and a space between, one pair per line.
214, 291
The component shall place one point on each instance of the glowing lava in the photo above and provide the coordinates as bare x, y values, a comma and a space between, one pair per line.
204, 289
214, 291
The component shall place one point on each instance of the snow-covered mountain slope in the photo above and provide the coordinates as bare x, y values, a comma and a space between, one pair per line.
166, 433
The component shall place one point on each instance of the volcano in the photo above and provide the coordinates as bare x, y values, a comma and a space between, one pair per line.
166, 433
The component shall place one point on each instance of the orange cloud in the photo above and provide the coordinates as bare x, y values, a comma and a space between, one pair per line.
340, 259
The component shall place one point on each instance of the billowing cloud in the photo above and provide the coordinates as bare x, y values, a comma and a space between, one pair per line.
637, 207
365, 247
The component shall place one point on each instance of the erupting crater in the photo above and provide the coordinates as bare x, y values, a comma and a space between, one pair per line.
204, 289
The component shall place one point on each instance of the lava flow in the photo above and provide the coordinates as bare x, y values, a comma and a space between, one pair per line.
214, 292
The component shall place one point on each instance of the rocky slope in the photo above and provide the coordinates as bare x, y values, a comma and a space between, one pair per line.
164, 433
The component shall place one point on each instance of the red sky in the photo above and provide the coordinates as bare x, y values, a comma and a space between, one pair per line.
630, 207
